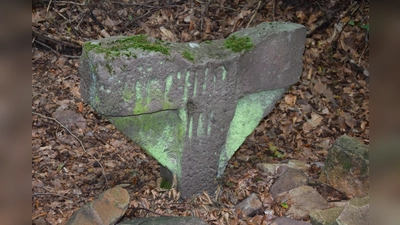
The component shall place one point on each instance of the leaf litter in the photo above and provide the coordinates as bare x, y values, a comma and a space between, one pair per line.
331, 99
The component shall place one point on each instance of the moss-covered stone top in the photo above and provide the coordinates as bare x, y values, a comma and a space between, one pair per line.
116, 46
237, 44
139, 46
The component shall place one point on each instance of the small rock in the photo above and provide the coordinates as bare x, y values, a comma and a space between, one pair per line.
326, 216
269, 168
303, 200
165, 221
250, 206
347, 167
290, 179
108, 208
338, 204
269, 214
40, 221
280, 168
287, 221
356, 212
298, 165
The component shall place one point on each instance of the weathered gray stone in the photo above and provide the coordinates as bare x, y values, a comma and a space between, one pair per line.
325, 216
107, 209
355, 212
303, 200
289, 180
288, 221
298, 165
191, 105
250, 206
165, 221
347, 167
274, 168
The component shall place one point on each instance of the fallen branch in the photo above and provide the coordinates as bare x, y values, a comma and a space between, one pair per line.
74, 43
151, 211
80, 142
254, 14
57, 53
54, 194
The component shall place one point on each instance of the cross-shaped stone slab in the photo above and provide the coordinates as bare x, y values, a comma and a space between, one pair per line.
191, 105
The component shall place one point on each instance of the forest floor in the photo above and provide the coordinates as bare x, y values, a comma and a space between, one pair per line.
331, 99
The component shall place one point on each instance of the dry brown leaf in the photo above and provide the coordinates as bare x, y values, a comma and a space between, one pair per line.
109, 23
319, 87
241, 15
39, 16
349, 120
312, 123
208, 26
290, 99
312, 18
168, 35
301, 15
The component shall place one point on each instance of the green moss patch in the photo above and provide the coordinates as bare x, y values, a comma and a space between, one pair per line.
237, 44
165, 184
120, 47
188, 55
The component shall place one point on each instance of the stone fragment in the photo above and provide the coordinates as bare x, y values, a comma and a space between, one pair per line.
288, 221
302, 201
276, 168
290, 179
298, 165
107, 209
249, 207
165, 221
191, 105
347, 167
269, 168
325, 216
355, 212
40, 221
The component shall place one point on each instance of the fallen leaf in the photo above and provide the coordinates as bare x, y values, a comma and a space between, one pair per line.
348, 119
109, 23
319, 87
168, 35
301, 15
39, 16
290, 99
69, 118
312, 123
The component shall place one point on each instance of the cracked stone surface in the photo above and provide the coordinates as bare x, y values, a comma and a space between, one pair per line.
191, 105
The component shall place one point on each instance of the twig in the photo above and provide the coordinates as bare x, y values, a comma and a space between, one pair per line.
48, 6
363, 51
57, 53
136, 4
80, 142
55, 194
47, 47
273, 10
148, 210
254, 14
96, 21
66, 2
75, 44
55, 10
